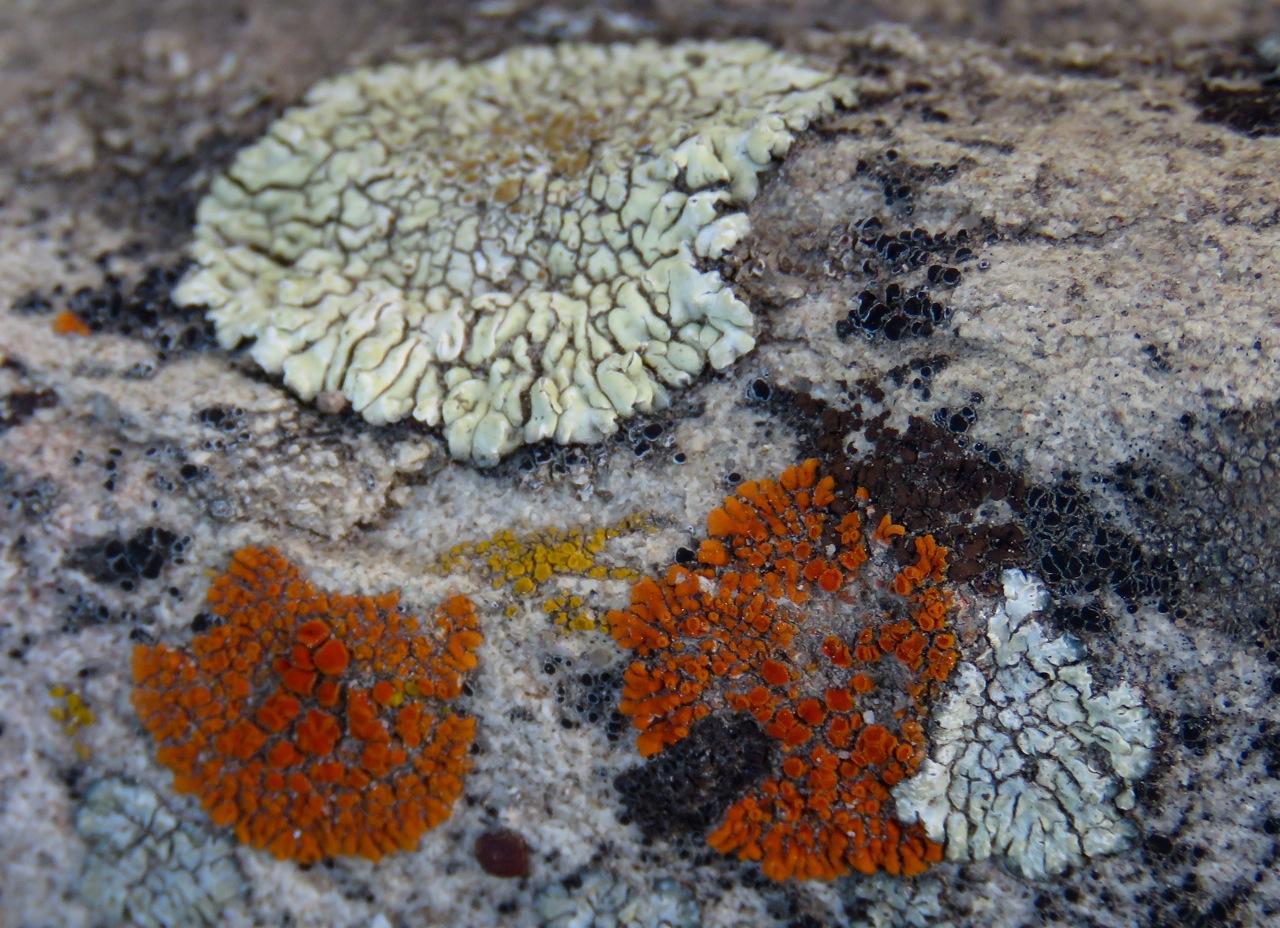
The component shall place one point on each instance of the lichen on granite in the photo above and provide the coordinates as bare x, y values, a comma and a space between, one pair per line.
511, 249
311, 721
146, 866
598, 898
1027, 762
793, 613
1091, 401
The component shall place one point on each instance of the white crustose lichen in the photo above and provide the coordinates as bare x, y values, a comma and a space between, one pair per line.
515, 249
1027, 762
147, 868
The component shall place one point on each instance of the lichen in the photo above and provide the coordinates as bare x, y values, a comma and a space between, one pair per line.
145, 867
569, 611
1027, 762
798, 613
70, 711
883, 902
598, 898
526, 563
311, 721
68, 323
512, 249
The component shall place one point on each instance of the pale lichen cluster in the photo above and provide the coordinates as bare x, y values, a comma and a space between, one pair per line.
516, 249
601, 899
148, 868
883, 901
1027, 761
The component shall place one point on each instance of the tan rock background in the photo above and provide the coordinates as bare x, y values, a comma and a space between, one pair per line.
1114, 342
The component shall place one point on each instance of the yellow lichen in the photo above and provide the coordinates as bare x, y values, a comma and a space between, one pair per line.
571, 612
73, 714
525, 563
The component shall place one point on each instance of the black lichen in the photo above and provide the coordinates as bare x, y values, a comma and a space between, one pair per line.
20, 405
1209, 506
901, 270
687, 788
32, 303
903, 273
84, 610
1077, 551
587, 695
933, 479
25, 497
923, 476
128, 561
1253, 109
145, 311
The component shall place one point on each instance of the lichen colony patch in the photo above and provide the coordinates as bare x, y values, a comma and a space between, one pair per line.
514, 249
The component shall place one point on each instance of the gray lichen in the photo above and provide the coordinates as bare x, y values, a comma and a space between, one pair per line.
147, 868
599, 899
1027, 761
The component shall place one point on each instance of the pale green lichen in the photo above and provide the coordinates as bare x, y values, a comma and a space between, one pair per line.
145, 867
514, 248
1027, 761
883, 901
600, 899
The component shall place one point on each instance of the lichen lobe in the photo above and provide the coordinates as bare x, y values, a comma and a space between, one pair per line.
511, 249
796, 614
311, 722
1028, 762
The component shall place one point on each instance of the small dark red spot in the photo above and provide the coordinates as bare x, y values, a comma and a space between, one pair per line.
503, 852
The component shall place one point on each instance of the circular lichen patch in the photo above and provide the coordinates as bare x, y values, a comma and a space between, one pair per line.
515, 248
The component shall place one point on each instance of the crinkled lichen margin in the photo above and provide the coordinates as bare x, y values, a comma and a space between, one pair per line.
1027, 761
513, 249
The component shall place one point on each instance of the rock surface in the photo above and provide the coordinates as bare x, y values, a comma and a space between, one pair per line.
1024, 291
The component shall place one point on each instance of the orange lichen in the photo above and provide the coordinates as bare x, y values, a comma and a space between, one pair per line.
68, 323
304, 720
837, 654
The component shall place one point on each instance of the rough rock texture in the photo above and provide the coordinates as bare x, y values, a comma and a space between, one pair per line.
1081, 385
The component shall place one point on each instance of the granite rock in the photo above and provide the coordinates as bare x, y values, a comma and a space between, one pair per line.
1091, 369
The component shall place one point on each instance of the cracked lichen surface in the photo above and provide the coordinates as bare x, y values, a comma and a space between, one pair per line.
147, 867
1029, 762
516, 249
